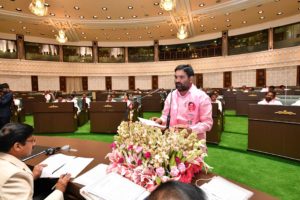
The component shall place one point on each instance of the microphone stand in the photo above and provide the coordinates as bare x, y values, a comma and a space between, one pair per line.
169, 114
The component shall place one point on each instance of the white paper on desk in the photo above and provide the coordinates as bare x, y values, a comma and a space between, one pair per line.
221, 189
114, 187
93, 175
66, 164
150, 123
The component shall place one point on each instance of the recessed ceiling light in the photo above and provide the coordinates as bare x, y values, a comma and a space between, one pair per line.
244, 22
148, 32
279, 13
262, 17
84, 37
201, 25
95, 16
12, 30
67, 16
156, 4
212, 17
160, 13
1, 6
18, 9
215, 28
82, 33
201, 4
24, 27
76, 7
20, 22
121, 17
81, 17
108, 17
53, 31
171, 30
227, 14
134, 16
130, 7
157, 26
104, 8
227, 20
260, 12
127, 33
52, 14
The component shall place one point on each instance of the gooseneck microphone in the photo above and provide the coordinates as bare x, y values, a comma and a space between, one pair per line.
169, 114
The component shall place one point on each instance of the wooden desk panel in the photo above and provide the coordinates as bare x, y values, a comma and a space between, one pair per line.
214, 135
230, 100
244, 99
98, 150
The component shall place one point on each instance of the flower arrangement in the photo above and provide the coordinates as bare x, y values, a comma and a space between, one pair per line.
148, 157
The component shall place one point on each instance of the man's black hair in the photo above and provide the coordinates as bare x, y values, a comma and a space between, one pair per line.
187, 69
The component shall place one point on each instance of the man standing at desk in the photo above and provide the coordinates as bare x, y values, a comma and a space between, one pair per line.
190, 108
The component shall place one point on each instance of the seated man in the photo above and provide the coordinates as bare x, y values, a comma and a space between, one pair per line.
16, 179
60, 99
110, 99
213, 98
73, 99
270, 99
174, 190
86, 100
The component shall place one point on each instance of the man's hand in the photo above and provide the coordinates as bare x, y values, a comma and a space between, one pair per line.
37, 170
63, 182
157, 120
179, 127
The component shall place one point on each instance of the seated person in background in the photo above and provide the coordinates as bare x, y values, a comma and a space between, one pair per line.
17, 103
174, 190
264, 89
231, 89
16, 179
73, 99
138, 91
126, 99
270, 99
49, 96
213, 98
244, 88
110, 99
297, 103
60, 99
86, 100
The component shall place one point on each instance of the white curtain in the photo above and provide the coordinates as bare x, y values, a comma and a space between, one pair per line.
74, 84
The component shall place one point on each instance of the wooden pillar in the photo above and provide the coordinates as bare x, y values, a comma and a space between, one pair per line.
154, 82
20, 46
131, 82
34, 83
61, 53
126, 54
85, 85
270, 39
95, 52
225, 43
108, 84
156, 50
62, 83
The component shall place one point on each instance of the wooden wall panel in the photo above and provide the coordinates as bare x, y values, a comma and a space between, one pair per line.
154, 82
227, 79
34, 83
199, 80
260, 77
131, 82
85, 85
108, 83
62, 83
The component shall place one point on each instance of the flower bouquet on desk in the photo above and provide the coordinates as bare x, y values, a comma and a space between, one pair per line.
148, 157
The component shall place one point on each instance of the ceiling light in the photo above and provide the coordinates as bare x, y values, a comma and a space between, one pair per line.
52, 14
53, 31
182, 32
201, 4
67, 16
168, 5
212, 17
81, 17
38, 7
18, 9
149, 32
244, 22
201, 25
260, 12
262, 17
127, 33
12, 30
82, 33
160, 13
24, 27
61, 37
227, 20
108, 17
157, 26
1, 6
104, 8
134, 16
215, 28
76, 7
156, 4
130, 7
121, 17
95, 16
279, 13
171, 30
84, 37
227, 14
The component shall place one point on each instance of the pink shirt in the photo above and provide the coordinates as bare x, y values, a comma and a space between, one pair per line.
272, 102
193, 109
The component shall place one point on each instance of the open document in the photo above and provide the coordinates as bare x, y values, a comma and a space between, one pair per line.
150, 123
60, 164
221, 189
114, 187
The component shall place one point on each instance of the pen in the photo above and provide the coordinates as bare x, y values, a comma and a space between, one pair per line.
55, 184
58, 168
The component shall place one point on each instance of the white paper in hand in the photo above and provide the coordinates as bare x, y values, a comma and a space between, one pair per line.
150, 123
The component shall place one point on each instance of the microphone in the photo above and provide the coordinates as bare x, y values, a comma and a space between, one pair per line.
169, 114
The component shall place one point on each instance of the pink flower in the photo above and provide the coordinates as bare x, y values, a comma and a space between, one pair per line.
147, 155
181, 167
174, 171
177, 160
160, 171
113, 145
139, 162
130, 147
121, 160
138, 149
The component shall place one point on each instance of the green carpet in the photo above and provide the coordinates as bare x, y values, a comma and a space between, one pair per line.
276, 176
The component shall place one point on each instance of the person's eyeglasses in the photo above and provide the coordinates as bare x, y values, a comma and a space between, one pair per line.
33, 140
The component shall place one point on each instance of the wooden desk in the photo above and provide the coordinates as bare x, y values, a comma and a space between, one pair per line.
214, 135
152, 103
54, 117
105, 117
98, 150
275, 130
230, 100
29, 102
244, 99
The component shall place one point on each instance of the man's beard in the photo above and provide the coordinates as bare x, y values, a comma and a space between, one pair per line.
181, 87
